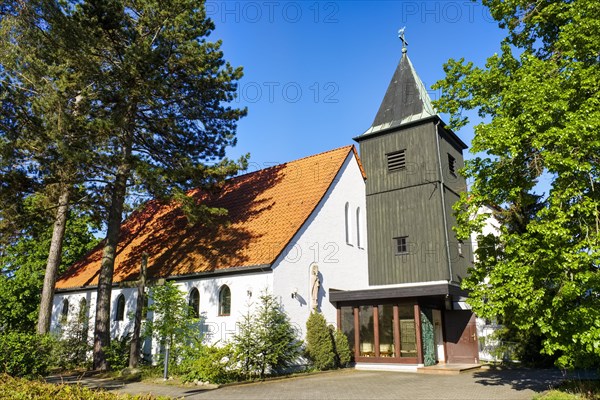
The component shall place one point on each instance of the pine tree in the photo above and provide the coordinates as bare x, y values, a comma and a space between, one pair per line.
266, 340
43, 134
163, 88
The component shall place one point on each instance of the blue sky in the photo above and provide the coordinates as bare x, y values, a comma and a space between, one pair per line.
315, 72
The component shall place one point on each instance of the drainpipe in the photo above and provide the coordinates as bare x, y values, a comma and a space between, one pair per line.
443, 198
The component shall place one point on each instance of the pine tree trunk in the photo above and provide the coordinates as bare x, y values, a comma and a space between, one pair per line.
135, 346
102, 322
54, 258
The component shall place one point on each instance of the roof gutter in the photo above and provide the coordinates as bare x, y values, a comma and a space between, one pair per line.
443, 199
197, 275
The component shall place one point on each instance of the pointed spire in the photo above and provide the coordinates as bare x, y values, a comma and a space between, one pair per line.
406, 99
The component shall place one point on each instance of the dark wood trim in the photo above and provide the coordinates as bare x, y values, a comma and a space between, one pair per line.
387, 360
376, 296
356, 334
396, 331
418, 333
376, 330
339, 318
444, 335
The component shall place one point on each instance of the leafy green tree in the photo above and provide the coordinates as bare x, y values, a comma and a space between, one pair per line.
172, 324
266, 341
22, 265
319, 342
541, 106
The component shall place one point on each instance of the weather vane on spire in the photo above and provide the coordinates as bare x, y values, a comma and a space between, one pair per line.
401, 36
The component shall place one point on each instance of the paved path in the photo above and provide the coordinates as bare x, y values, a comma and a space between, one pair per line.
352, 384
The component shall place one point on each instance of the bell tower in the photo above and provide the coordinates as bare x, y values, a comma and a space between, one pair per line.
411, 161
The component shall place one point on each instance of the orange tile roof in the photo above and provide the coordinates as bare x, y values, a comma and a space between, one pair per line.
265, 210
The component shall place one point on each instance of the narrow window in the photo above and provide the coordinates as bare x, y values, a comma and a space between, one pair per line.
224, 301
452, 164
82, 310
120, 314
194, 303
348, 226
460, 248
145, 307
358, 241
401, 244
65, 310
396, 160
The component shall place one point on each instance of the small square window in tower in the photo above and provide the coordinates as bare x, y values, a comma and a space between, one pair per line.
452, 164
396, 160
401, 245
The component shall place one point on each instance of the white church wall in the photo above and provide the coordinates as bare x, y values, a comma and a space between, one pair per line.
486, 328
245, 289
322, 242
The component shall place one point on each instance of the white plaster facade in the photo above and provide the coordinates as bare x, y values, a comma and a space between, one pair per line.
321, 240
485, 328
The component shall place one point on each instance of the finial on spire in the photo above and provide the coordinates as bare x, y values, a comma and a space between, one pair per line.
401, 36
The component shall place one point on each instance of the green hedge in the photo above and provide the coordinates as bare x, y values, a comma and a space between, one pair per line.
25, 354
19, 389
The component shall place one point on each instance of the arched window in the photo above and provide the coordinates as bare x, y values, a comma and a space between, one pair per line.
65, 310
120, 312
194, 303
82, 316
145, 307
224, 300
347, 224
358, 228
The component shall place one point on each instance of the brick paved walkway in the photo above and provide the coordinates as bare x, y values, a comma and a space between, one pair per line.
352, 384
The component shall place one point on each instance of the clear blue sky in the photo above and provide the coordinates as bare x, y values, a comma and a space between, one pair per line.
315, 72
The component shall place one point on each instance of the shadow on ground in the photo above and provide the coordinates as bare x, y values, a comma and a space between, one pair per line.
537, 380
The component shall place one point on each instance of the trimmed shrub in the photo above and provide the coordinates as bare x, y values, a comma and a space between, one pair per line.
24, 354
208, 364
342, 348
18, 389
319, 343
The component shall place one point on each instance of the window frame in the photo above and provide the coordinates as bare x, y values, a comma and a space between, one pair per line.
397, 245
358, 229
120, 308
82, 314
222, 307
194, 302
64, 312
348, 224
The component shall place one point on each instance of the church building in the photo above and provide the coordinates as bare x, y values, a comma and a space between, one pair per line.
366, 240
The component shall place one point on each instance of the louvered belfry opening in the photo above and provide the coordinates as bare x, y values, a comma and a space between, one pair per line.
396, 160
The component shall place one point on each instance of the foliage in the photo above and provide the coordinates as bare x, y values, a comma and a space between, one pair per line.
24, 354
17, 389
541, 107
319, 343
208, 364
573, 390
71, 346
266, 340
342, 348
117, 352
22, 264
172, 323
120, 98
